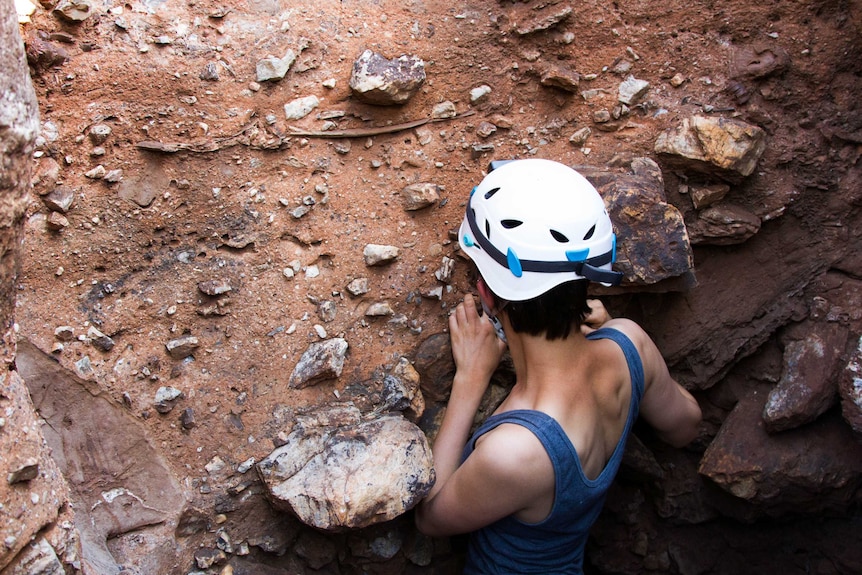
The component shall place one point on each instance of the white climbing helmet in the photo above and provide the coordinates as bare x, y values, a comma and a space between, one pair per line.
534, 224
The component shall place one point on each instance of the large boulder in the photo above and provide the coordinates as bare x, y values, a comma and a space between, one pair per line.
810, 469
724, 147
351, 474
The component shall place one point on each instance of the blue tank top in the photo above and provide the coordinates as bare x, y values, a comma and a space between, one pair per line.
556, 544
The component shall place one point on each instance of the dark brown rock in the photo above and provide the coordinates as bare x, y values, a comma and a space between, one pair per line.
808, 386
384, 82
850, 388
723, 225
801, 470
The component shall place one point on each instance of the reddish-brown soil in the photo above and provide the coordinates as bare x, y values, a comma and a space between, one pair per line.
133, 270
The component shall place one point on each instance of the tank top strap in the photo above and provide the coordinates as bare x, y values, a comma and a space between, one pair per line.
633, 358
545, 428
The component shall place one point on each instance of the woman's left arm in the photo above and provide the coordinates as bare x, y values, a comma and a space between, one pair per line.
477, 351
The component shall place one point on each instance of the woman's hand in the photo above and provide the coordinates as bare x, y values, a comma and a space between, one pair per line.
475, 346
597, 318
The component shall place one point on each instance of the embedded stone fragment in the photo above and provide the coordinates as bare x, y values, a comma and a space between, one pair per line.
272, 68
479, 94
579, 137
99, 134
797, 471
434, 363
182, 346
214, 287
723, 225
652, 240
60, 199
727, 148
358, 286
445, 271
300, 107
544, 20
421, 195
379, 309
43, 54
376, 254
166, 398
73, 10
349, 477
632, 91
322, 360
807, 387
384, 82
24, 471
850, 388
705, 195
99, 339
56, 221
444, 110
561, 77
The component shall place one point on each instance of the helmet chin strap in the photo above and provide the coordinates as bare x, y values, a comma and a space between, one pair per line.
587, 268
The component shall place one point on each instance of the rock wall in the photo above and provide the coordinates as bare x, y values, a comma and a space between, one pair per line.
739, 237
36, 520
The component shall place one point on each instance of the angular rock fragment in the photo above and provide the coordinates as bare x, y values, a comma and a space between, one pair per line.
421, 195
166, 398
705, 195
182, 346
850, 388
99, 134
543, 20
272, 68
214, 287
561, 77
73, 10
99, 339
444, 110
579, 137
352, 476
300, 107
652, 239
723, 225
322, 360
724, 147
435, 365
791, 472
807, 387
445, 271
43, 54
56, 221
23, 471
383, 82
358, 286
376, 254
479, 94
632, 91
379, 309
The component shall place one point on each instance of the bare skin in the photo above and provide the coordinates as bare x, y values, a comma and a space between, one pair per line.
584, 384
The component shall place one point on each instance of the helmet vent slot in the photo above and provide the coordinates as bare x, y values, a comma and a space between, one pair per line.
491, 192
590, 233
487, 229
559, 237
509, 224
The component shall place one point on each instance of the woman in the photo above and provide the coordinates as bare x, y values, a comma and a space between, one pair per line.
531, 481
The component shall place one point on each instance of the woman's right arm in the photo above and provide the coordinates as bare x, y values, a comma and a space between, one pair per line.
666, 405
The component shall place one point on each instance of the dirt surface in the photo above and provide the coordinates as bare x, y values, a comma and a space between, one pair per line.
134, 253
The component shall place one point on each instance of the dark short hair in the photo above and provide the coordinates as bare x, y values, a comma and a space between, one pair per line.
555, 313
